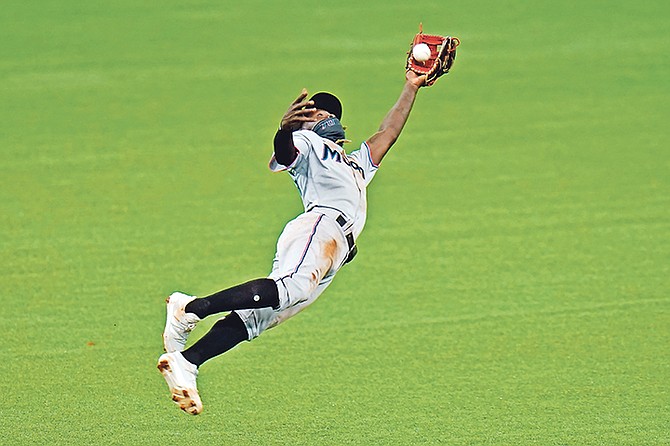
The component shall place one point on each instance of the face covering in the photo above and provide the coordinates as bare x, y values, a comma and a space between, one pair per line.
330, 128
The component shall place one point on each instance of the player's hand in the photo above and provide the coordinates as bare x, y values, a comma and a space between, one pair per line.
298, 113
415, 79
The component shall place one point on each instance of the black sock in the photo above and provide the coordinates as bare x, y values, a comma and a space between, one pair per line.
223, 336
258, 293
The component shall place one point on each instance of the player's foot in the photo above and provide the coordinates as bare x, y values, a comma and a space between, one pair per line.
180, 376
179, 323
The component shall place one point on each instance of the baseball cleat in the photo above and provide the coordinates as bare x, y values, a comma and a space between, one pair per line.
180, 376
179, 323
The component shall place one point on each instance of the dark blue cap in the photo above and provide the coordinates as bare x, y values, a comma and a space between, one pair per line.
328, 102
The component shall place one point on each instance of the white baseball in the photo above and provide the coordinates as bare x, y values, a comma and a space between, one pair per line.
421, 52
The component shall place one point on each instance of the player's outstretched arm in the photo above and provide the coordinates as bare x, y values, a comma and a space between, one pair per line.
395, 119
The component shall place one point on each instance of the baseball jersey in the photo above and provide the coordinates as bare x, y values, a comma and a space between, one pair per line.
326, 176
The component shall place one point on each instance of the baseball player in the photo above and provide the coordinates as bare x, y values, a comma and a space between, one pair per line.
311, 249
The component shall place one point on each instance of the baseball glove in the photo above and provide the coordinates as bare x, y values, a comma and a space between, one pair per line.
442, 55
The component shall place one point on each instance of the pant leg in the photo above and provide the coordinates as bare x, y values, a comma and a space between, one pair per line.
310, 251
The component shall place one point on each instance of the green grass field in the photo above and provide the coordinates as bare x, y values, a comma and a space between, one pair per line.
512, 285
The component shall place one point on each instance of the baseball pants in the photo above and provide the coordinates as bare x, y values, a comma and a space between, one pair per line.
310, 251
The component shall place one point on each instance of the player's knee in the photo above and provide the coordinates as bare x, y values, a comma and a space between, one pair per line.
293, 291
256, 321
265, 292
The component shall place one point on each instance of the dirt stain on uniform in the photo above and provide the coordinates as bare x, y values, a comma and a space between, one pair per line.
164, 366
329, 250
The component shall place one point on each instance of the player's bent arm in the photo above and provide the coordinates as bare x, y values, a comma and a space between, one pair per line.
395, 120
285, 150
299, 112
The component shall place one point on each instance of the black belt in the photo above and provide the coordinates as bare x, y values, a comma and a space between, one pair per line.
353, 249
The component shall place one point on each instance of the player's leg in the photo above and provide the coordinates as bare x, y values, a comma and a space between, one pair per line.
258, 293
184, 311
225, 334
261, 319
304, 266
282, 316
310, 247
310, 251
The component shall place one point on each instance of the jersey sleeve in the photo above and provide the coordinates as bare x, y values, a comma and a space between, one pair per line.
303, 145
363, 158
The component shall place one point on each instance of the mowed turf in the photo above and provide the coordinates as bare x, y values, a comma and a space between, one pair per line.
512, 283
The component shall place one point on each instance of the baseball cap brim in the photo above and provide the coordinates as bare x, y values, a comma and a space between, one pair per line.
328, 102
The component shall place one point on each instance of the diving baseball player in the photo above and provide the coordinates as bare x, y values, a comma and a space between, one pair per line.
311, 249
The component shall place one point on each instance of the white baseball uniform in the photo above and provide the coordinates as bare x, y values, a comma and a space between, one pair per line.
314, 246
